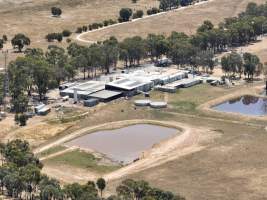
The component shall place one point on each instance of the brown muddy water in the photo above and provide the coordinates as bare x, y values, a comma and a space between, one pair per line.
124, 144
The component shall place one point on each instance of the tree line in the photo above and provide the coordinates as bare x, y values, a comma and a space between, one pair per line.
249, 65
21, 177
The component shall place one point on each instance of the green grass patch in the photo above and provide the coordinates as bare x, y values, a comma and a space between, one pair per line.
82, 160
51, 151
184, 106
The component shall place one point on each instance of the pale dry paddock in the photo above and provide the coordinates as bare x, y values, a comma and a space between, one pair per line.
34, 17
182, 20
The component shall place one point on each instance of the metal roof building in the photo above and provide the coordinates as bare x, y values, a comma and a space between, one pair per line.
106, 95
84, 89
130, 87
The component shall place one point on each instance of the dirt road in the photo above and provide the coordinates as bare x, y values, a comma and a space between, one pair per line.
80, 38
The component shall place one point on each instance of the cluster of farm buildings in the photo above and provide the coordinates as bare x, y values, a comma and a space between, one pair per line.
127, 84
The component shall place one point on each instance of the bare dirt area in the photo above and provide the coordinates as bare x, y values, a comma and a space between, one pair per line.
39, 129
183, 20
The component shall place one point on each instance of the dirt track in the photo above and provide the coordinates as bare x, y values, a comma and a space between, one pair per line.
82, 37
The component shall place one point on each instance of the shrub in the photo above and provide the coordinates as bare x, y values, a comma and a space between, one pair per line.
84, 28
111, 21
1, 43
56, 11
152, 11
125, 14
79, 30
17, 118
66, 33
138, 14
106, 22
59, 37
95, 26
22, 120
4, 38
54, 36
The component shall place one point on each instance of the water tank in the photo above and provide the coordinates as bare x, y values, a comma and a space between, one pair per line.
143, 102
158, 104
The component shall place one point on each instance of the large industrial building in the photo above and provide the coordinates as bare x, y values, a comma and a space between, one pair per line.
117, 85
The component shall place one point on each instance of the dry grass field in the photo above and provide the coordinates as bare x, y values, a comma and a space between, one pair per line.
183, 20
33, 17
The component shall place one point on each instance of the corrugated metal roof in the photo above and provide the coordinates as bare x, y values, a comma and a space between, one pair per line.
105, 94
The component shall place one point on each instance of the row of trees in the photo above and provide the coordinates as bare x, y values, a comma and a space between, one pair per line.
21, 177
196, 50
249, 64
234, 31
58, 36
105, 55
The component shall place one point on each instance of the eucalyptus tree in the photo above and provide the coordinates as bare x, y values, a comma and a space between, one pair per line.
252, 66
156, 46
101, 185
58, 60
133, 50
96, 57
110, 52
19, 41
20, 82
